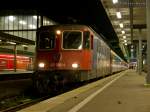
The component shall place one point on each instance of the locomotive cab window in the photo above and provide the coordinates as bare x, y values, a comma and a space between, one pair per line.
72, 40
47, 40
86, 43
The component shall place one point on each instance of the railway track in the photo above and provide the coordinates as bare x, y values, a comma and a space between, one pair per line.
15, 75
23, 103
28, 98
11, 102
15, 92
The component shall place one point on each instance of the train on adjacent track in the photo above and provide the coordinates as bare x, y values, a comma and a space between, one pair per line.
8, 63
72, 53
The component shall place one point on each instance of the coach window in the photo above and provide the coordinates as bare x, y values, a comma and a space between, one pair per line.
86, 43
47, 40
72, 40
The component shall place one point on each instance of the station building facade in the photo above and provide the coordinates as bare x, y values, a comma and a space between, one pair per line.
17, 38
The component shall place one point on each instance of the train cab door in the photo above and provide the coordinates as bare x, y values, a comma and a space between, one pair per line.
87, 52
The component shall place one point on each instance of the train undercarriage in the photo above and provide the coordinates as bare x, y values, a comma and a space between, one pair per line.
47, 82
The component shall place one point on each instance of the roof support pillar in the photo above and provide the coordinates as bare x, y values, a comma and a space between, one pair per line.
140, 53
137, 56
131, 20
41, 20
15, 58
37, 24
148, 40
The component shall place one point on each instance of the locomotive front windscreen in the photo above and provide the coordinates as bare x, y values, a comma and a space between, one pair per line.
72, 40
46, 40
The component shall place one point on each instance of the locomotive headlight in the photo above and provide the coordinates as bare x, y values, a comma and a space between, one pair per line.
58, 32
41, 65
75, 65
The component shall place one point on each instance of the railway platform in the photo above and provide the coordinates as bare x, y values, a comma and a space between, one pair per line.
10, 75
122, 92
12, 72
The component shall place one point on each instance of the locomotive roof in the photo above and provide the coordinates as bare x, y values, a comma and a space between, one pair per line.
66, 26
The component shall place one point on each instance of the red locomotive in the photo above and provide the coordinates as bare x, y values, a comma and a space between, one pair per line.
71, 53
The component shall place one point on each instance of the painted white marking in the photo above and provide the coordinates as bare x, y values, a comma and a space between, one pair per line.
85, 101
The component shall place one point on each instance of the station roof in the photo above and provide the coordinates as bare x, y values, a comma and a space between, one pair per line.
89, 12
14, 39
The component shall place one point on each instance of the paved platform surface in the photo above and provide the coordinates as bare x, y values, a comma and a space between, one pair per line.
124, 92
128, 94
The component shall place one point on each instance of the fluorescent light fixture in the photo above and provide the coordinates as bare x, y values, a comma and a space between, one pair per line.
35, 17
115, 1
132, 46
22, 22
144, 61
125, 40
11, 18
32, 26
124, 37
131, 50
118, 15
13, 43
143, 46
24, 46
123, 32
121, 25
46, 22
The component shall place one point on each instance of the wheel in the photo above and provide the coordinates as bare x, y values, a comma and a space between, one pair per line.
42, 86
41, 83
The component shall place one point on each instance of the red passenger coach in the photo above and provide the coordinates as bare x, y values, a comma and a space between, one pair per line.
7, 62
69, 53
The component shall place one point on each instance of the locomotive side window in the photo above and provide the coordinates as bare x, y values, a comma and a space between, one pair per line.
86, 43
72, 40
47, 40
